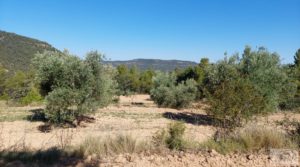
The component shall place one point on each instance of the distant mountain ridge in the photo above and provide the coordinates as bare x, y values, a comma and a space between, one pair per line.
16, 51
156, 64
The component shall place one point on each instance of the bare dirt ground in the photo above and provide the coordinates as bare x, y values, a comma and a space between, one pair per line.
137, 116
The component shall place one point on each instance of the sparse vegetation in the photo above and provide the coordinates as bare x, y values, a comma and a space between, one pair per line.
250, 139
236, 89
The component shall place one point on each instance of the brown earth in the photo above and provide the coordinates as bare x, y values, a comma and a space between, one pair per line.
139, 117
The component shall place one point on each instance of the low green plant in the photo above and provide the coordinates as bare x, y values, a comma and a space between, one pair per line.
172, 138
175, 139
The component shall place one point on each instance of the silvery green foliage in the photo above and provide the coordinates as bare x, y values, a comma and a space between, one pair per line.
223, 71
73, 86
104, 87
167, 94
266, 74
261, 68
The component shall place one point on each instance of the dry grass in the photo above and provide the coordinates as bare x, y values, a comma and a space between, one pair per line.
255, 138
250, 139
1, 137
112, 146
64, 137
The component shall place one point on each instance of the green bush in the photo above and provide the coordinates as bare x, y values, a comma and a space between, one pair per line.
166, 93
20, 88
17, 86
32, 96
175, 139
234, 102
171, 138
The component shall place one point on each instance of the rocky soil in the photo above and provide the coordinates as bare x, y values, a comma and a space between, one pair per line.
182, 159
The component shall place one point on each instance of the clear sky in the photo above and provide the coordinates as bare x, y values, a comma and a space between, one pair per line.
165, 29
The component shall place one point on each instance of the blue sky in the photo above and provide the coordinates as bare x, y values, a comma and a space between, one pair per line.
165, 29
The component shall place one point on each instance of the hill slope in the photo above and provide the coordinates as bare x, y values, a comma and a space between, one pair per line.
156, 64
16, 51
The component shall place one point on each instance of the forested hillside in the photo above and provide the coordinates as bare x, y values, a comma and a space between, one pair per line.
16, 51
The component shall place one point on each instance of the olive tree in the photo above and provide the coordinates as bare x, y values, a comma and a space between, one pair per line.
72, 86
239, 88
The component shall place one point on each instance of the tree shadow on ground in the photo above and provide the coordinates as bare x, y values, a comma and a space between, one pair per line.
192, 118
37, 115
49, 157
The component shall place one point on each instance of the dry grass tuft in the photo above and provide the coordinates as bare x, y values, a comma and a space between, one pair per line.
112, 146
250, 139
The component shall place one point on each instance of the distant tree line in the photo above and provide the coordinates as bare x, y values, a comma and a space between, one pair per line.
132, 80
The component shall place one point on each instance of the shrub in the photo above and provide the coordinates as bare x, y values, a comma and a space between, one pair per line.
235, 102
171, 138
167, 94
20, 88
17, 86
32, 96
175, 140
